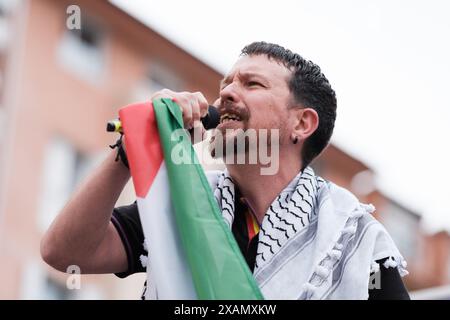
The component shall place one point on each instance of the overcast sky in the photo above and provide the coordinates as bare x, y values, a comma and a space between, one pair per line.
388, 62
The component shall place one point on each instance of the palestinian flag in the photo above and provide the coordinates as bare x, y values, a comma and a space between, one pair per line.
192, 252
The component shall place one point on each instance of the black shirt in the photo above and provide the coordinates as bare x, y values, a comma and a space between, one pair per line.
127, 222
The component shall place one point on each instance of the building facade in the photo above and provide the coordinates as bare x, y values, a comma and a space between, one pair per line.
59, 87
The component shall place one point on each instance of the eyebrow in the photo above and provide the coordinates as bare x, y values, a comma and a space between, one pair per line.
227, 79
224, 81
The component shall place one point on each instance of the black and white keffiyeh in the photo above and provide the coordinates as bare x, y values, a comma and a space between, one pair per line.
316, 241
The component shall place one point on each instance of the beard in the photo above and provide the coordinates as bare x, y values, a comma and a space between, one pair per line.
236, 139
238, 146
229, 143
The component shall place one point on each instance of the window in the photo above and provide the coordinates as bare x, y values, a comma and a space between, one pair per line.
4, 28
53, 290
82, 52
6, 8
158, 78
2, 119
63, 169
402, 225
164, 78
38, 284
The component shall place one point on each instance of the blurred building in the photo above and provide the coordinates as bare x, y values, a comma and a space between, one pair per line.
58, 87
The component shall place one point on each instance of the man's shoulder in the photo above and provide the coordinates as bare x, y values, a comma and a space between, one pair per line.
345, 202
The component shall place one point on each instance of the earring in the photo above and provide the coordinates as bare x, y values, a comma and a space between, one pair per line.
295, 140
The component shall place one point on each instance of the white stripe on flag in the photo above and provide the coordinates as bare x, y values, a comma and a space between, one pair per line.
169, 269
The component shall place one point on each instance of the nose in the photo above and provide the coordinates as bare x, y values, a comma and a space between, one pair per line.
230, 93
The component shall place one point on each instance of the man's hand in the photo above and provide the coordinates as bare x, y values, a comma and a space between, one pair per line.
193, 105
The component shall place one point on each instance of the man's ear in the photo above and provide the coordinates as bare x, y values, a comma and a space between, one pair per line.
306, 123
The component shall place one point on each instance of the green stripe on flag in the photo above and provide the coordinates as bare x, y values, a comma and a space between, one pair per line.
218, 268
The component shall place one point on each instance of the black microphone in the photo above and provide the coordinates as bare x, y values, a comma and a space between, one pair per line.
210, 121
212, 118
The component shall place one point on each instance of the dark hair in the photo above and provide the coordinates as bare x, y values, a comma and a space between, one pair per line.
309, 87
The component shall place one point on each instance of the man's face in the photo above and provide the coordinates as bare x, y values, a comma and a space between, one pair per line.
254, 95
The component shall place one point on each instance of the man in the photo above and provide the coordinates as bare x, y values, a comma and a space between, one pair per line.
303, 237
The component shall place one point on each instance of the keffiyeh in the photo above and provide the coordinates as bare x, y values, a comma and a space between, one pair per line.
316, 241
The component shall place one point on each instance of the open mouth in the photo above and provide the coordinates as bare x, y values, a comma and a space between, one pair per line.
228, 117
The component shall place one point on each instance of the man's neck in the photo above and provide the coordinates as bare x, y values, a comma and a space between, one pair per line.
260, 190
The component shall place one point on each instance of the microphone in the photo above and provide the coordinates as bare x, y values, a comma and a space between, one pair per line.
212, 118
210, 121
